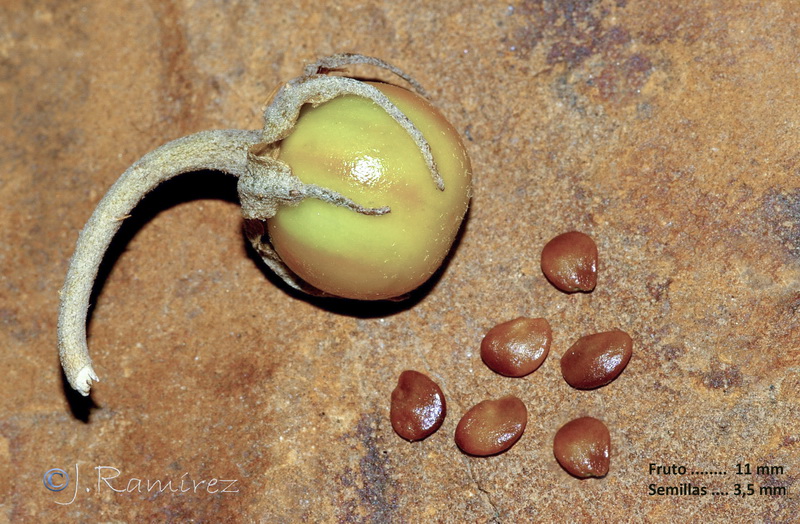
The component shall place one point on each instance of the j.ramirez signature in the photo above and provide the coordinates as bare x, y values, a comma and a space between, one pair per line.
108, 478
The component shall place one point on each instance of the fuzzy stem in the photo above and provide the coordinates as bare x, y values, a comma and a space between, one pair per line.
224, 151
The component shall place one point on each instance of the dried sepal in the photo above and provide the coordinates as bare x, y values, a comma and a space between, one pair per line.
338, 61
256, 233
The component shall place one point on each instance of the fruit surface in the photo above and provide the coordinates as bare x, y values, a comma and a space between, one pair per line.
350, 145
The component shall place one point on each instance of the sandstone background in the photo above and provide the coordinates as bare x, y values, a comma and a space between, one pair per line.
669, 131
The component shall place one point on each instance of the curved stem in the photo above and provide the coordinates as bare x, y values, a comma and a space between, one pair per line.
224, 151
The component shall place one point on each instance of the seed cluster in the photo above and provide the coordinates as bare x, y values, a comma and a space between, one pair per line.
516, 348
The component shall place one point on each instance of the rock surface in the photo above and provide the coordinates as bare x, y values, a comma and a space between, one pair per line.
668, 131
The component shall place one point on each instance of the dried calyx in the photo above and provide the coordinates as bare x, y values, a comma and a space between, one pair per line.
265, 183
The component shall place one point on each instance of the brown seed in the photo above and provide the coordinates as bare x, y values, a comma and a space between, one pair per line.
583, 447
491, 426
595, 360
418, 407
517, 347
569, 261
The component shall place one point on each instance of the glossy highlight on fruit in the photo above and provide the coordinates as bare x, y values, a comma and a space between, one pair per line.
492, 426
583, 447
353, 147
418, 407
517, 347
569, 261
596, 360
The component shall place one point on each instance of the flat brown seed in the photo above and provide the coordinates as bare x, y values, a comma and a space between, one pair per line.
492, 426
569, 261
595, 360
583, 447
517, 347
418, 407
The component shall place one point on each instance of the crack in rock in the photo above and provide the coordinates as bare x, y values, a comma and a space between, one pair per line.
486, 495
